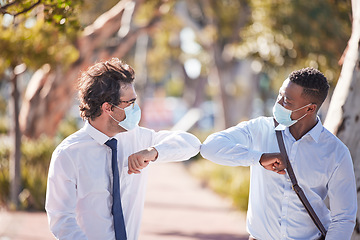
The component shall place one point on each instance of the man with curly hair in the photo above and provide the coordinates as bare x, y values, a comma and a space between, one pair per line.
321, 162
92, 192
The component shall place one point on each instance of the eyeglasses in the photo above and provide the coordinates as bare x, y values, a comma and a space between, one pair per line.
131, 101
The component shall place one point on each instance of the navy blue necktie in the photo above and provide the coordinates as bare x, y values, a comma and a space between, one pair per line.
116, 210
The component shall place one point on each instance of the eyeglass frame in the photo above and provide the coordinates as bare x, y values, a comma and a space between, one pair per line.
130, 102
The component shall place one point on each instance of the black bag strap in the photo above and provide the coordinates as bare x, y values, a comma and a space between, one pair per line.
298, 190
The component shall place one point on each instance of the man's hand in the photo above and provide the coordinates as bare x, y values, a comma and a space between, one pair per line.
140, 160
273, 162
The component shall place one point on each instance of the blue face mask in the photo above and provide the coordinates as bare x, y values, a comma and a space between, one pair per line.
132, 117
283, 115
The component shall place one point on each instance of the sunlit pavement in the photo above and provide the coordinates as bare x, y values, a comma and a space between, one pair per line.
24, 226
176, 208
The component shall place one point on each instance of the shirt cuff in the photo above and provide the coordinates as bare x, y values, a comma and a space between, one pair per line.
255, 157
161, 149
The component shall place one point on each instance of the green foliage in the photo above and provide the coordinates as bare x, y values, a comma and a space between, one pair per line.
67, 127
35, 160
42, 43
3, 105
92, 9
36, 33
4, 170
4, 125
286, 35
231, 182
175, 87
227, 16
281, 35
164, 45
60, 13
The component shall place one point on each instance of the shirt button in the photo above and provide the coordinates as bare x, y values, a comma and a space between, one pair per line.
288, 179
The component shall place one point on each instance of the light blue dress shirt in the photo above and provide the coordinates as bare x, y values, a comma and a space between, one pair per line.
322, 165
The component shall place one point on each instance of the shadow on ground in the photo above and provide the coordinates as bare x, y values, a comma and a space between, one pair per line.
204, 236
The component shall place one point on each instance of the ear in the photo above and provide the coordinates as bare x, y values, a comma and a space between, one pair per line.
312, 108
106, 107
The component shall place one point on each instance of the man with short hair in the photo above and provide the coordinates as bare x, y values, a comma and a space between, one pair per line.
91, 191
321, 162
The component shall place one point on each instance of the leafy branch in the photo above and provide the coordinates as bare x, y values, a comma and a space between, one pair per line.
25, 10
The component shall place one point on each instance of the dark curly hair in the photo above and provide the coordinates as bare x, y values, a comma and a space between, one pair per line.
101, 83
315, 84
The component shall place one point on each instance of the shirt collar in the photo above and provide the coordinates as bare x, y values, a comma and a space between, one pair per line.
280, 127
314, 132
98, 136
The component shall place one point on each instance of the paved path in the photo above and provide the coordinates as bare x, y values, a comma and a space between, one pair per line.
24, 226
177, 208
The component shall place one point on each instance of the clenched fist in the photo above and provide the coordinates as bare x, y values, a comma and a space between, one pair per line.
273, 162
140, 160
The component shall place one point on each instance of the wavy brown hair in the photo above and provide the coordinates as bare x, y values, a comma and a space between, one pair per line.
101, 83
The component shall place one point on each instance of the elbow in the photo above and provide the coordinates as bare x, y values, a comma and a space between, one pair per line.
206, 151
196, 144
192, 142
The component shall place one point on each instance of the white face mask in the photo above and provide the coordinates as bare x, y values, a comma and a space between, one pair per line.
283, 115
132, 117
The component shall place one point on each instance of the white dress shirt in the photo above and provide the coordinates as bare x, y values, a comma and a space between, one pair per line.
322, 165
79, 190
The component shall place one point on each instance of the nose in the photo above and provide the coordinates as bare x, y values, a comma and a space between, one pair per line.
280, 99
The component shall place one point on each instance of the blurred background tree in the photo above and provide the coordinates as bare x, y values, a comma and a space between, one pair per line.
33, 33
342, 118
239, 52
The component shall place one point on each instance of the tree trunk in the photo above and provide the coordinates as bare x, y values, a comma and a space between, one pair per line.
50, 92
238, 88
15, 176
344, 110
224, 69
